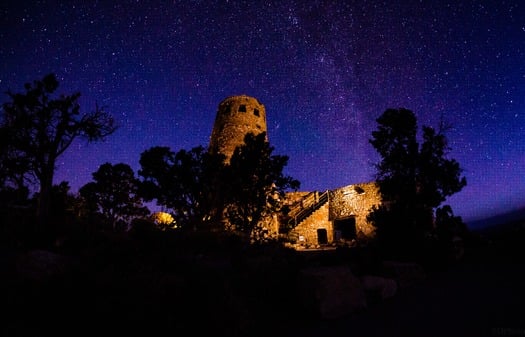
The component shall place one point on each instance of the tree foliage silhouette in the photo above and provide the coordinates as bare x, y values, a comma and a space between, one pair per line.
201, 188
13, 165
41, 127
61, 203
186, 182
114, 193
413, 180
256, 185
449, 225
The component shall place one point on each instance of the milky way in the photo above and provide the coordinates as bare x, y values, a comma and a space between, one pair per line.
325, 70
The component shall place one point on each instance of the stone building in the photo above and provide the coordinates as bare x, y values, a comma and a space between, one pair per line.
330, 217
314, 218
236, 117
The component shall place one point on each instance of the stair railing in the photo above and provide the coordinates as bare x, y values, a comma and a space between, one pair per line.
309, 204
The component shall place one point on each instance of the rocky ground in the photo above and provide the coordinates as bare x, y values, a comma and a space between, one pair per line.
471, 299
120, 293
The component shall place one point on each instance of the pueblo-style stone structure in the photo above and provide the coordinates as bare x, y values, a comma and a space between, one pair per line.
314, 218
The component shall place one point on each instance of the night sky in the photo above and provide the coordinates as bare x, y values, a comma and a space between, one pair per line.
325, 70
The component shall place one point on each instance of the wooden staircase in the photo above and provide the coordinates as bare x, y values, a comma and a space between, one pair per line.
305, 207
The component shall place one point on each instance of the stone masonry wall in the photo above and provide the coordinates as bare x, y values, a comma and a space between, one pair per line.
355, 201
318, 220
236, 117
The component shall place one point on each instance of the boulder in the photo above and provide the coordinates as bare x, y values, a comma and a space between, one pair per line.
331, 292
41, 265
380, 287
405, 273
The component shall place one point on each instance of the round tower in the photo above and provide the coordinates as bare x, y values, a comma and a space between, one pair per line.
236, 117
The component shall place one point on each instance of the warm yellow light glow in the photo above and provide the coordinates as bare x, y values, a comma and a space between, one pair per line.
164, 220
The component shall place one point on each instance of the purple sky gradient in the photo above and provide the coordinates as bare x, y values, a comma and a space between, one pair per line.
325, 70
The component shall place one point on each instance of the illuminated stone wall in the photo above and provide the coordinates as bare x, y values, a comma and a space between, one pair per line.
355, 201
308, 229
236, 117
349, 202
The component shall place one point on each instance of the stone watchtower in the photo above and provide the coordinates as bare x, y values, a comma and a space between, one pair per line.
236, 117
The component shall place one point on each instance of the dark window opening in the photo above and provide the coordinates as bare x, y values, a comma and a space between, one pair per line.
322, 236
256, 112
359, 190
346, 227
242, 108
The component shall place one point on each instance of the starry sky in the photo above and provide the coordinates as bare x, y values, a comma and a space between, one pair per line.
325, 70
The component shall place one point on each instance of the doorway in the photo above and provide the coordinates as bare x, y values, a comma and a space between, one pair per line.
322, 236
346, 228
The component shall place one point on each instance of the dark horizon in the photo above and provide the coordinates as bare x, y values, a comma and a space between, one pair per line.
495, 221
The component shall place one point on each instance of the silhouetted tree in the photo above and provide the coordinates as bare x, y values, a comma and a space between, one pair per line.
449, 225
256, 185
186, 182
15, 213
61, 202
41, 127
14, 183
114, 194
13, 165
413, 180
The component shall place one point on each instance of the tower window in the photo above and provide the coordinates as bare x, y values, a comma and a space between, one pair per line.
359, 190
256, 112
242, 108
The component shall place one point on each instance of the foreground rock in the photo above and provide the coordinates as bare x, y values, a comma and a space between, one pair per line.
379, 288
404, 273
42, 265
331, 292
